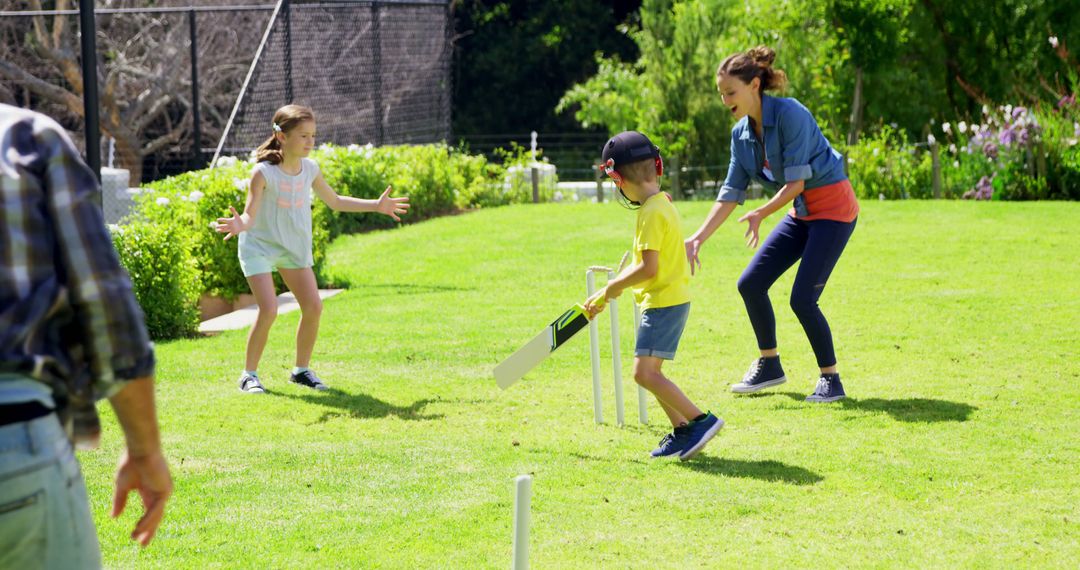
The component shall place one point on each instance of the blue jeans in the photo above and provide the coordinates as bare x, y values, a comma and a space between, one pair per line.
819, 243
45, 519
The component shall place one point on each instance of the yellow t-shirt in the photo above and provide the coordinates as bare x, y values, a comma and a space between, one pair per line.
659, 228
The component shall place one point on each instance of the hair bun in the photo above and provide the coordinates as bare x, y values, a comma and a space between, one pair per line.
762, 55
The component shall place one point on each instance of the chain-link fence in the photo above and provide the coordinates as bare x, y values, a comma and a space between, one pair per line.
374, 72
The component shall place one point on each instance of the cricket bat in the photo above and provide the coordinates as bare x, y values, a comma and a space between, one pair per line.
536, 350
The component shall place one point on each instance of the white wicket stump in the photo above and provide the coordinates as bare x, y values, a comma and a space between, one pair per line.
616, 357
522, 505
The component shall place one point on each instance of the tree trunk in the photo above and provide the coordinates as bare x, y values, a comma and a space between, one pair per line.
856, 109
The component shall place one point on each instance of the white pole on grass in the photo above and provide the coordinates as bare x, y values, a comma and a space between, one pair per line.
594, 346
642, 395
522, 500
615, 356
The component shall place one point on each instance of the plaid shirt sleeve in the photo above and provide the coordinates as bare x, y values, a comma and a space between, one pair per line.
116, 345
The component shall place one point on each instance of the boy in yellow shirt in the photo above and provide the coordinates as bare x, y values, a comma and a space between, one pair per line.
660, 277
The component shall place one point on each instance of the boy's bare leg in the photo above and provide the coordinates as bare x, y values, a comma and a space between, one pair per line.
304, 287
262, 286
678, 407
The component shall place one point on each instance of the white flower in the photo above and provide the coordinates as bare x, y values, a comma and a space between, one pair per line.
932, 121
353, 147
956, 164
952, 148
195, 196
240, 184
226, 161
986, 110
162, 201
214, 225
1053, 42
114, 229
558, 196
881, 197
930, 140
946, 128
1008, 111
963, 127
876, 152
894, 125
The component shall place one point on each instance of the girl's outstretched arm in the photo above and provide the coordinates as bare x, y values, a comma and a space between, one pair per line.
719, 213
385, 204
242, 222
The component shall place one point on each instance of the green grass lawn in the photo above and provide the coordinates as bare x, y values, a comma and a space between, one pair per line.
957, 325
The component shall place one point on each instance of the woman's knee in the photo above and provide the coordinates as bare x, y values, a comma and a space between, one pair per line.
749, 287
803, 303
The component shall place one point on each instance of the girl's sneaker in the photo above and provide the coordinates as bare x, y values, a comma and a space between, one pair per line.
699, 432
764, 372
249, 384
672, 444
309, 379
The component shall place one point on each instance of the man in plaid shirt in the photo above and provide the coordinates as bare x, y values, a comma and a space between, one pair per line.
71, 333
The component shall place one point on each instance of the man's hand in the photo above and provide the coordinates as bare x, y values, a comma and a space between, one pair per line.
149, 476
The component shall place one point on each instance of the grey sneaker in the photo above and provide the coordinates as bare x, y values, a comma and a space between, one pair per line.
249, 384
828, 389
309, 379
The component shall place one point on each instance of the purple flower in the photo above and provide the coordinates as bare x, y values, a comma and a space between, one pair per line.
1018, 112
1076, 130
984, 190
1006, 138
1023, 136
1066, 101
990, 149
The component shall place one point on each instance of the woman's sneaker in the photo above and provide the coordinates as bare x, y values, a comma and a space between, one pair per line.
249, 384
699, 433
309, 379
828, 389
673, 443
764, 373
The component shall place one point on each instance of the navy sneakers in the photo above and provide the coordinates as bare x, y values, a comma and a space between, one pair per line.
828, 389
764, 373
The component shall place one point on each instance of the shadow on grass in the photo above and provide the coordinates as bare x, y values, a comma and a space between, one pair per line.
377, 289
362, 406
772, 471
913, 410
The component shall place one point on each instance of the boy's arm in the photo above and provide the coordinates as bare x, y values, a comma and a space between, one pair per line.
384, 205
650, 264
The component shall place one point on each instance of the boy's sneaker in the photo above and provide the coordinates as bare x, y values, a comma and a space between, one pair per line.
309, 379
673, 443
249, 384
764, 373
828, 389
699, 433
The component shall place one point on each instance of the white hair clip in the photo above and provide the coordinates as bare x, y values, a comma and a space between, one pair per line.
277, 127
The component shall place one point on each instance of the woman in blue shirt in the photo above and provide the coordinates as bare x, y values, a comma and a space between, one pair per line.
778, 144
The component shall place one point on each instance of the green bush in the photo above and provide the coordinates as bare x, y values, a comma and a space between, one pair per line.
164, 277
886, 164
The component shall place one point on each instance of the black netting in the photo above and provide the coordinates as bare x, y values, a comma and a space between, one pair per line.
373, 72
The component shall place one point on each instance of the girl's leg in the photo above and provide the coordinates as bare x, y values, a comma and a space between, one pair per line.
679, 408
826, 242
778, 253
302, 284
262, 286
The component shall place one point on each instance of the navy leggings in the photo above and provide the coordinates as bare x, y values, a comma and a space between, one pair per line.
819, 243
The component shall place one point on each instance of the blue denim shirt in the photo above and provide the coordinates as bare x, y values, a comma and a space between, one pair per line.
794, 145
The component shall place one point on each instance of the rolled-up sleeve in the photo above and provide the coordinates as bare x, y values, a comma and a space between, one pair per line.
734, 188
796, 126
116, 342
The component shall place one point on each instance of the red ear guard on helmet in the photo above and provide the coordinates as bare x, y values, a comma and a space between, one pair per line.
609, 167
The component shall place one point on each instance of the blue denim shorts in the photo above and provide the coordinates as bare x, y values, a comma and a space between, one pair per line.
660, 330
